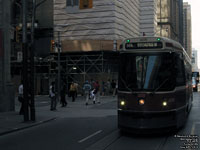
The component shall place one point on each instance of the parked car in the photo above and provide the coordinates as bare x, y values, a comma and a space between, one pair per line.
194, 84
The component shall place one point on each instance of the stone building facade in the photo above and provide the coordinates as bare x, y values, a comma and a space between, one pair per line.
111, 21
187, 32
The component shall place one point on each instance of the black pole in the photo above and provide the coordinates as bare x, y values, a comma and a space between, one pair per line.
32, 69
25, 62
32, 55
58, 47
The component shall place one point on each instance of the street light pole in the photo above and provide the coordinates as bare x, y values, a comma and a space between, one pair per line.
25, 62
58, 47
32, 55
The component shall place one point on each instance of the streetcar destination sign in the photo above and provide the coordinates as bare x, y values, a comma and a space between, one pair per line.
143, 45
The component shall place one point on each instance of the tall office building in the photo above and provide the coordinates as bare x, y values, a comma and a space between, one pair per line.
6, 33
42, 41
84, 28
187, 28
195, 60
148, 17
169, 19
98, 26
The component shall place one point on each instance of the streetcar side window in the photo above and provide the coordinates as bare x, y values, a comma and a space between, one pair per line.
179, 67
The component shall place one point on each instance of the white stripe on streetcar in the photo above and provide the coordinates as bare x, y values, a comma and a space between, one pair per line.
90, 136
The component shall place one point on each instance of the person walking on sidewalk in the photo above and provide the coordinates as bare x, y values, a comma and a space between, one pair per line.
108, 87
86, 88
91, 94
96, 92
103, 88
76, 91
63, 96
72, 91
52, 95
113, 85
21, 98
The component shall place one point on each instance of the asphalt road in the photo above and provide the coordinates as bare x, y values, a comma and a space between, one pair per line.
63, 134
101, 133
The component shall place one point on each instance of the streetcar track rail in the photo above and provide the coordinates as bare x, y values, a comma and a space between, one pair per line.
162, 144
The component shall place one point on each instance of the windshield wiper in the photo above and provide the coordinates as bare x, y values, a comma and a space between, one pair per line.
170, 67
126, 85
160, 85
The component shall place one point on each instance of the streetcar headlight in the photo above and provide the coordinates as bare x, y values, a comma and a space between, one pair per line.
164, 103
141, 102
122, 103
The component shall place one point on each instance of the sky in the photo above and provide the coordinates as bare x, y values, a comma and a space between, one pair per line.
195, 8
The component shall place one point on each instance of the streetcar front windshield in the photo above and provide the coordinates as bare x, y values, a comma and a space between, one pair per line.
149, 72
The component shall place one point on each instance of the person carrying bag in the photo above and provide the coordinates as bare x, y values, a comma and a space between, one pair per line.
72, 91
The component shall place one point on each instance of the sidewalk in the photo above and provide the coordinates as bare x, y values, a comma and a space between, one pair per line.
12, 121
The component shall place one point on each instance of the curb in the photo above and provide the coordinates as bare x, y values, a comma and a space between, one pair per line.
26, 127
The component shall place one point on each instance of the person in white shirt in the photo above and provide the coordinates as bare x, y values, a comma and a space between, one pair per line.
21, 98
52, 95
86, 88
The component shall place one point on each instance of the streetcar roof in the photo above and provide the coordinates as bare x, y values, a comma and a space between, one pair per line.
171, 43
167, 44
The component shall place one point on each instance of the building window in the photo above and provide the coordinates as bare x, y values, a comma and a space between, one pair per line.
193, 60
85, 4
71, 3
72, 6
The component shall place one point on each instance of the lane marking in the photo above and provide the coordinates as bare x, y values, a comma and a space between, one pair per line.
193, 128
90, 136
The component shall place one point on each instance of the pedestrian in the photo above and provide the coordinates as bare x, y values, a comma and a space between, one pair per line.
91, 94
116, 88
76, 89
52, 95
113, 85
108, 87
96, 92
63, 96
86, 88
72, 91
21, 98
103, 88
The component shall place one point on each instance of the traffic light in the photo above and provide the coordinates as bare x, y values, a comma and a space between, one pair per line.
18, 34
85, 4
52, 45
